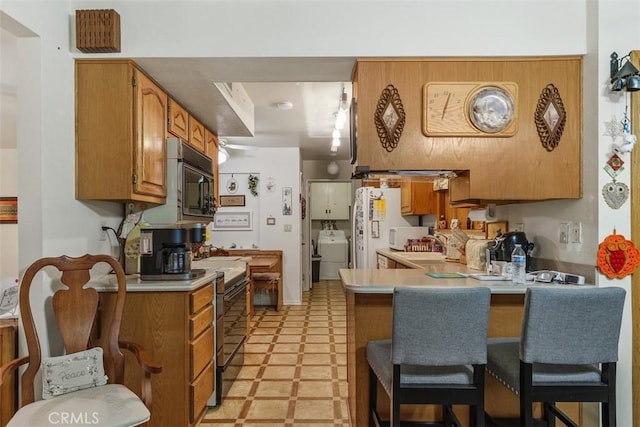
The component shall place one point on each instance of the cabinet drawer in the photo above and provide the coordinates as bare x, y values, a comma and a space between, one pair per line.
200, 321
201, 389
200, 298
201, 352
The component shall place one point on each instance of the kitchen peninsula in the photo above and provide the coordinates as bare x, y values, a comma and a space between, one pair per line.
369, 295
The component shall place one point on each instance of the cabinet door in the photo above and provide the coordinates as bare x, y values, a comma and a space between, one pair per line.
417, 197
339, 200
319, 208
196, 134
405, 196
211, 150
150, 145
330, 200
178, 120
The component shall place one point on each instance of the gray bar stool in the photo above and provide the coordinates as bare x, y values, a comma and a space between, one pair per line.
437, 353
567, 352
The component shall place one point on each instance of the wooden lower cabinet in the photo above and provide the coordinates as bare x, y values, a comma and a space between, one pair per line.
176, 329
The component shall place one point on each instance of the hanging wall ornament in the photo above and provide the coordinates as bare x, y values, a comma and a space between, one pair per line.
615, 194
614, 166
617, 256
550, 117
628, 139
389, 118
613, 128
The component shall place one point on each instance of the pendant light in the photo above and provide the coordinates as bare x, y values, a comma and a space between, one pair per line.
332, 168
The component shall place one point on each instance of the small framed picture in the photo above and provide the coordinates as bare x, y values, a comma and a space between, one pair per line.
232, 221
286, 201
8, 210
226, 200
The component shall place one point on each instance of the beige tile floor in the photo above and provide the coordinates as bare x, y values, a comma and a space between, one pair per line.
294, 373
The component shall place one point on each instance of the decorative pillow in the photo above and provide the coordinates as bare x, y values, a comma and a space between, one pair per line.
72, 372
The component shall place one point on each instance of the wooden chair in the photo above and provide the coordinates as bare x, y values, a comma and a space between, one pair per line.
567, 352
437, 353
75, 308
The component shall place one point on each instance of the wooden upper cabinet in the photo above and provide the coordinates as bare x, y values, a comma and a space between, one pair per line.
178, 120
211, 150
211, 145
498, 168
417, 197
196, 134
121, 128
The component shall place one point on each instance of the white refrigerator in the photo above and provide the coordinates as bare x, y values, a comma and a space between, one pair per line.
374, 211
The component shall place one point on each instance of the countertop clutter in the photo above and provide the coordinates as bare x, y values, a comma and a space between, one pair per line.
232, 267
427, 270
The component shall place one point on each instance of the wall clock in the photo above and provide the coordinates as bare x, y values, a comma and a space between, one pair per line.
470, 109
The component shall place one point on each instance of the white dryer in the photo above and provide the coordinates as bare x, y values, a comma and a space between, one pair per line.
334, 249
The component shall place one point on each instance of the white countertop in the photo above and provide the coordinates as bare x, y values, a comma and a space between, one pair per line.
232, 267
413, 259
383, 281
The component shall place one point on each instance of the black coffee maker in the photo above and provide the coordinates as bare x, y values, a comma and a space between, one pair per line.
505, 243
165, 254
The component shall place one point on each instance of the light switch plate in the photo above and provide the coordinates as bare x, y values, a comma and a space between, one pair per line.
563, 232
575, 232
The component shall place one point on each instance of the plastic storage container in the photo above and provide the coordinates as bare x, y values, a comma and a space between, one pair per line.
518, 265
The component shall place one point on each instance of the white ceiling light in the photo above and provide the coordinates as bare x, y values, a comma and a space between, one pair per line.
284, 105
332, 168
341, 119
222, 155
344, 103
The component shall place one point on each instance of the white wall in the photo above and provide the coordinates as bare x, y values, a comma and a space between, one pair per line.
54, 222
8, 152
282, 166
8, 232
606, 15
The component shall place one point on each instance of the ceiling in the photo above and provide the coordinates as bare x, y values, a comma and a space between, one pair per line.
312, 85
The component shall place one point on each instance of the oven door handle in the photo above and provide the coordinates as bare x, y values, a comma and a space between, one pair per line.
236, 290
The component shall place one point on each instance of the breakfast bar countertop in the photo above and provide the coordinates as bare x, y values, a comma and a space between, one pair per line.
383, 281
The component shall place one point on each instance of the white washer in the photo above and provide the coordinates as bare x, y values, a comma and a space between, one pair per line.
334, 249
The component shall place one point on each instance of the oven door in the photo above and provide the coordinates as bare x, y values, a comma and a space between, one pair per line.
235, 321
231, 335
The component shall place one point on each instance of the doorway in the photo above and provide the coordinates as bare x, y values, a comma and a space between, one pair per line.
340, 220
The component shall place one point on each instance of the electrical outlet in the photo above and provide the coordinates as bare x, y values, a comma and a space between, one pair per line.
563, 232
518, 227
103, 233
287, 228
575, 232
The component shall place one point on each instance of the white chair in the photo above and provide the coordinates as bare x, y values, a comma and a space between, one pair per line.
75, 387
